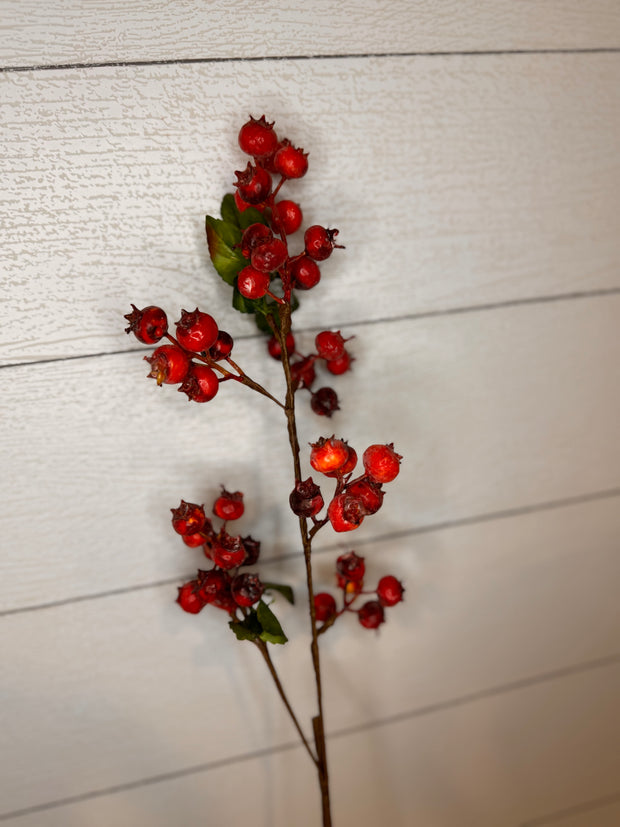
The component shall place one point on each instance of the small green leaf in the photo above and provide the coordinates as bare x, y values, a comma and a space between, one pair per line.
232, 215
242, 304
251, 216
247, 629
272, 631
222, 238
284, 590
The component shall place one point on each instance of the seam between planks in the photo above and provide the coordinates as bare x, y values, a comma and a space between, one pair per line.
576, 809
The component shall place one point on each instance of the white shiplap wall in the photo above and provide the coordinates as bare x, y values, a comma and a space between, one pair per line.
477, 195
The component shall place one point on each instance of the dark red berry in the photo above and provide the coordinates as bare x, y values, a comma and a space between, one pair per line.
324, 402
287, 217
252, 550
148, 325
303, 373
305, 273
254, 235
381, 462
227, 552
324, 606
201, 383
345, 513
229, 505
188, 598
269, 256
257, 137
329, 455
252, 283
341, 365
273, 346
222, 347
242, 206
371, 615
369, 493
253, 184
306, 499
246, 589
196, 331
188, 518
169, 365
351, 566
390, 591
329, 344
320, 242
213, 584
225, 602
290, 161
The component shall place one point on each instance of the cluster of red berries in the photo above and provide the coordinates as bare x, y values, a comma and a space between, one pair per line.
189, 359
353, 499
350, 571
223, 585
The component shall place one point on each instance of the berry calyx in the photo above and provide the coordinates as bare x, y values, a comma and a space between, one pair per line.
188, 518
169, 365
229, 505
257, 137
324, 606
290, 161
270, 255
329, 344
246, 589
345, 513
369, 493
213, 584
324, 402
340, 365
305, 273
320, 242
254, 235
287, 217
306, 499
252, 283
196, 331
222, 347
275, 351
148, 325
228, 552
253, 184
390, 591
381, 462
371, 615
351, 567
201, 383
188, 598
329, 455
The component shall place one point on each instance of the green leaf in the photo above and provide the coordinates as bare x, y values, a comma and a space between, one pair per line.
284, 590
232, 215
242, 304
272, 631
222, 238
247, 629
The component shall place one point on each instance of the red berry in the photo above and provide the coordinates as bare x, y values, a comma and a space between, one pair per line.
252, 550
381, 462
222, 346
319, 242
252, 283
351, 567
273, 346
351, 588
350, 463
305, 273
228, 552
371, 615
369, 493
148, 325
306, 499
287, 216
213, 584
290, 161
196, 331
169, 365
242, 206
303, 373
188, 518
329, 344
229, 506
246, 589
188, 599
254, 235
193, 540
257, 137
324, 606
390, 591
329, 455
253, 184
225, 602
341, 365
345, 513
269, 256
324, 402
201, 383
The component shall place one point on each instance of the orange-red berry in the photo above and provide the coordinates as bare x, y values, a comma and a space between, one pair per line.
381, 462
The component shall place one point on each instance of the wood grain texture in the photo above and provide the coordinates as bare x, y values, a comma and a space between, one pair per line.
454, 181
128, 687
105, 454
68, 31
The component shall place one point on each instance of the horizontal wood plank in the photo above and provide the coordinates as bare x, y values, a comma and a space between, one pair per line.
67, 31
453, 182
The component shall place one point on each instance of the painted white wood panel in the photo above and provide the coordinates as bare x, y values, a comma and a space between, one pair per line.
454, 181
493, 410
71, 31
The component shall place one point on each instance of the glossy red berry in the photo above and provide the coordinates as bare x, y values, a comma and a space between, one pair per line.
306, 499
349, 464
188, 598
287, 216
329, 455
340, 365
228, 552
222, 346
254, 235
196, 331
320, 242
369, 493
229, 505
303, 373
324, 606
169, 365
351, 566
275, 351
305, 273
381, 462
252, 550
390, 591
193, 540
242, 206
290, 161
257, 137
252, 283
269, 256
329, 344
345, 513
371, 615
201, 383
246, 589
148, 325
324, 402
188, 518
253, 184
213, 584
